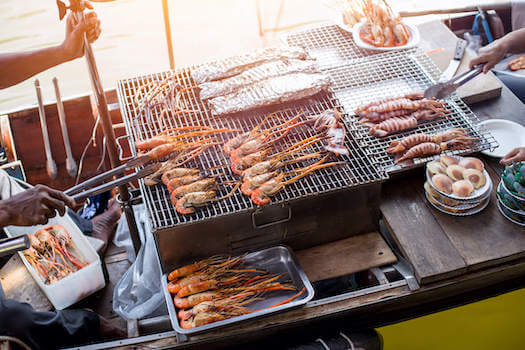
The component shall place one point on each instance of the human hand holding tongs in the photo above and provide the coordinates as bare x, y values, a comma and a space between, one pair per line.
97, 184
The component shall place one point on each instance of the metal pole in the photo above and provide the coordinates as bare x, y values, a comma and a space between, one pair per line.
167, 29
107, 127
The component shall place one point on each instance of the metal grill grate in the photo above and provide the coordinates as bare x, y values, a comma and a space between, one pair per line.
359, 168
331, 45
362, 76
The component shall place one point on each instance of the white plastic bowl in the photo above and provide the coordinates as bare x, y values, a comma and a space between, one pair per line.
77, 285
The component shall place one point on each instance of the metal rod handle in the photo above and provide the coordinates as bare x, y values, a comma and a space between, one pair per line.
50, 162
71, 165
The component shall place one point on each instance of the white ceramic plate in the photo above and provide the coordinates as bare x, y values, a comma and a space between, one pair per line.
341, 24
508, 134
413, 41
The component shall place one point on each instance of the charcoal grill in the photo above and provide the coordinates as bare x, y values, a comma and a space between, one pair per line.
301, 215
361, 76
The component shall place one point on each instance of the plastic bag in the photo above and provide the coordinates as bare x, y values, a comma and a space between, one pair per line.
138, 292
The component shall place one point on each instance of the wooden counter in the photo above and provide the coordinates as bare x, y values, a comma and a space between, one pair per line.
441, 246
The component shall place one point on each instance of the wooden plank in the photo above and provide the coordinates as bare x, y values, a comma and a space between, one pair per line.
19, 285
486, 238
417, 233
437, 35
353, 254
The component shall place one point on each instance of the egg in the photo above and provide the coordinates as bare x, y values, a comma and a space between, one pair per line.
435, 168
443, 183
455, 172
462, 188
475, 177
448, 160
471, 163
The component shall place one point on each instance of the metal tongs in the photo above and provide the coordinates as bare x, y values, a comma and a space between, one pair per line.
442, 90
97, 184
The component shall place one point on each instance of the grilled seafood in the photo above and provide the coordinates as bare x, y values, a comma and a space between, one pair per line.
262, 194
181, 181
221, 286
422, 150
252, 75
364, 108
517, 63
394, 114
382, 28
279, 89
402, 103
251, 183
203, 185
462, 188
443, 183
415, 139
163, 139
234, 65
330, 122
392, 125
178, 172
186, 204
53, 254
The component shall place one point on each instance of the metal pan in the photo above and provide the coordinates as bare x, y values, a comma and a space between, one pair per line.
276, 260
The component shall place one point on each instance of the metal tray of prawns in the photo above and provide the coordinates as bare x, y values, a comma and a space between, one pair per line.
276, 260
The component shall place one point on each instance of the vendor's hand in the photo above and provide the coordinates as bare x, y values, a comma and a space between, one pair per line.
490, 55
513, 156
34, 206
73, 45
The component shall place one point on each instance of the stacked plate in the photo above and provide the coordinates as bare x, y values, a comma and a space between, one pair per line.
511, 193
458, 185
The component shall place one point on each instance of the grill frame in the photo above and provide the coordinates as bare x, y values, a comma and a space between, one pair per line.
359, 170
367, 75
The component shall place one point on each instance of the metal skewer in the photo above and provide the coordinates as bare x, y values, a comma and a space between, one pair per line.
71, 165
50, 162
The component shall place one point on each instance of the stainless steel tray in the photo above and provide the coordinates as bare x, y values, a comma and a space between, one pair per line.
275, 260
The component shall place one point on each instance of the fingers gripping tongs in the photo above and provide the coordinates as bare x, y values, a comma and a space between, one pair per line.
443, 90
97, 184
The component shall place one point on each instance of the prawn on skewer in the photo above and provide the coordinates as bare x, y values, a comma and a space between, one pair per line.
262, 194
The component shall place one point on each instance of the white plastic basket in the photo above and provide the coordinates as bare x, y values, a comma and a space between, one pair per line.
77, 285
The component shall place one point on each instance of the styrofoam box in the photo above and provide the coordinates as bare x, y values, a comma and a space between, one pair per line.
77, 285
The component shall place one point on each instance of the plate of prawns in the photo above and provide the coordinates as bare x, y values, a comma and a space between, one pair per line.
221, 290
381, 29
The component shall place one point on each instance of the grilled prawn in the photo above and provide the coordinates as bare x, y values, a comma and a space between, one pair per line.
203, 185
187, 204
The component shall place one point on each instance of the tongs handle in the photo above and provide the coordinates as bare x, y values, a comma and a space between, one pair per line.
150, 169
467, 76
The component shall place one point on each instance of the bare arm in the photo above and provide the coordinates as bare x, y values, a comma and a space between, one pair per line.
491, 54
17, 67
